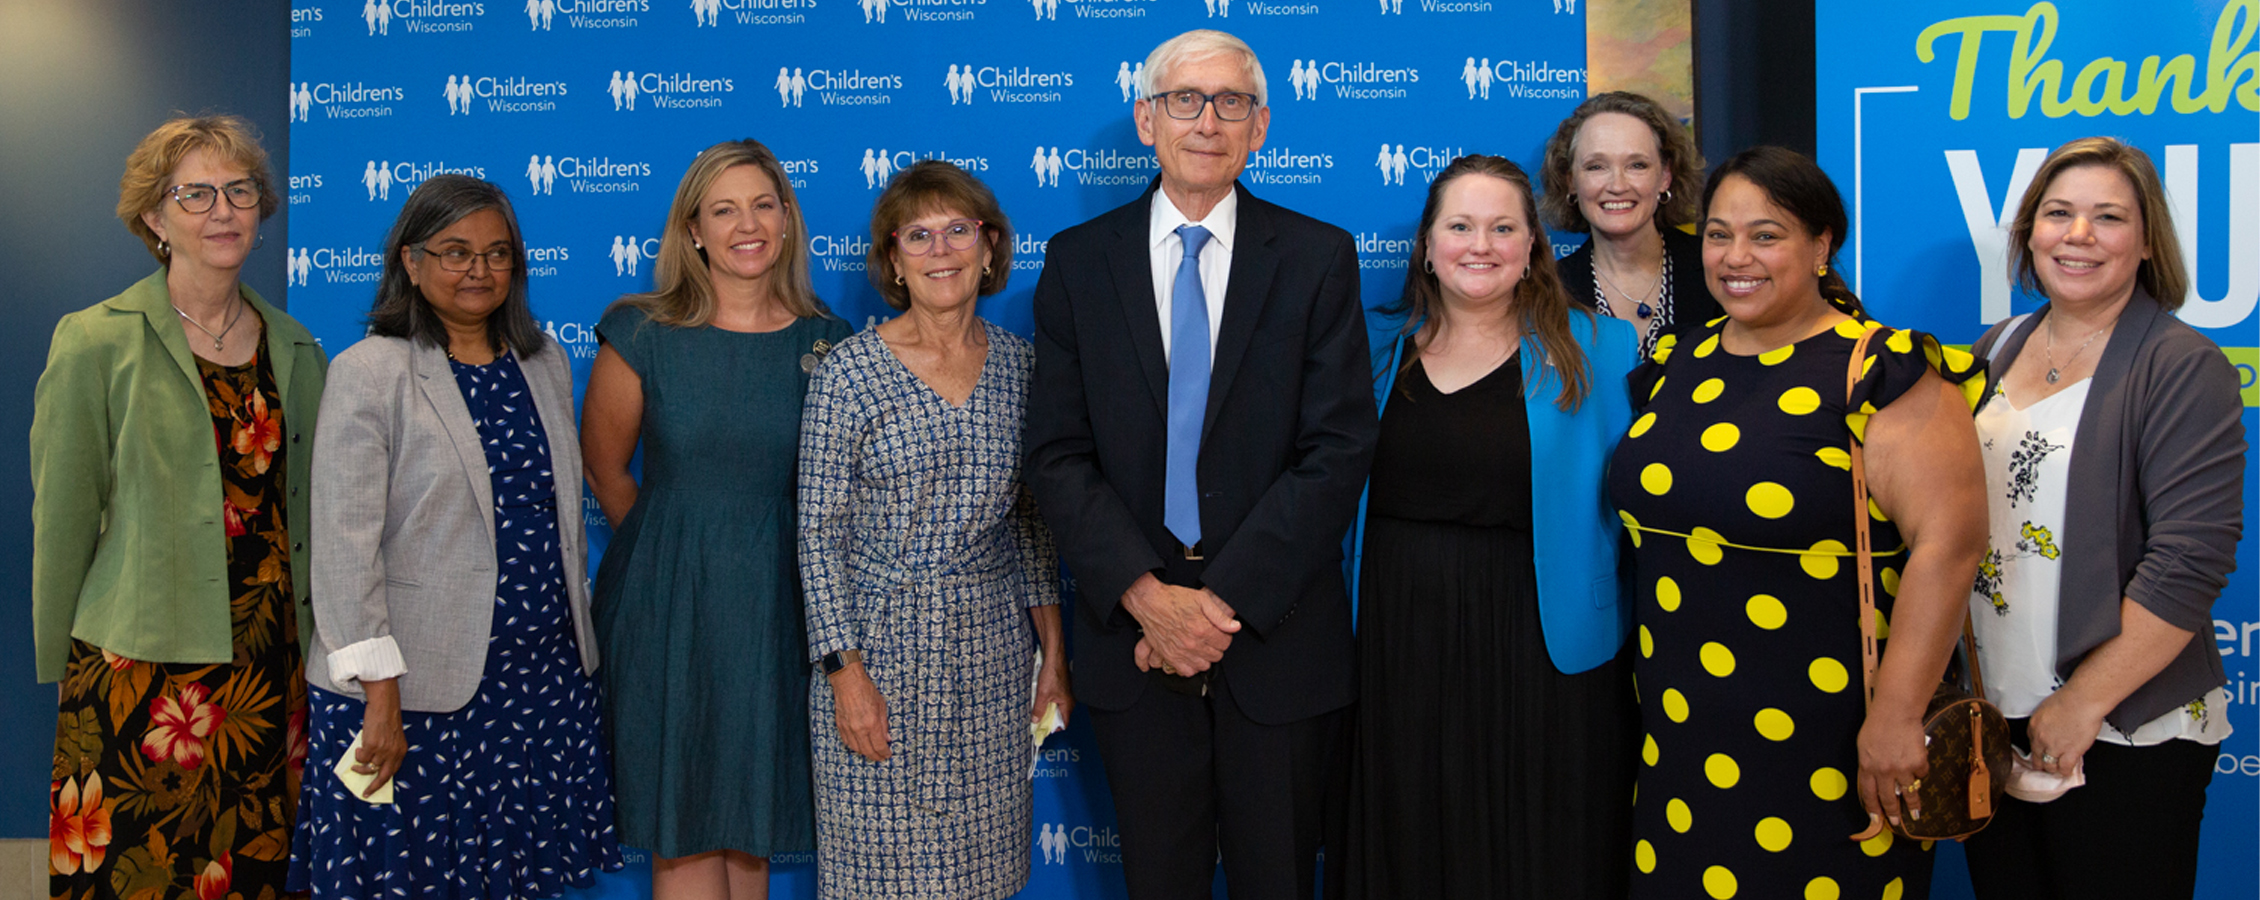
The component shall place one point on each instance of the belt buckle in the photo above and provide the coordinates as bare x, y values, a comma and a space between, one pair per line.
1192, 552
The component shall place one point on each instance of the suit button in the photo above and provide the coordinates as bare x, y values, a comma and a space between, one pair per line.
294, 492
294, 438
299, 547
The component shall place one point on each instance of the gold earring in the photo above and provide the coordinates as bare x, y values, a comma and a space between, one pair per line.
164, 247
984, 271
1821, 271
898, 277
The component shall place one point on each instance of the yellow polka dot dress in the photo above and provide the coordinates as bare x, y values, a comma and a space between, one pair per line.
1734, 482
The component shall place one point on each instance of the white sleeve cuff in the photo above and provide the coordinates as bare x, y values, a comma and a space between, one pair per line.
375, 659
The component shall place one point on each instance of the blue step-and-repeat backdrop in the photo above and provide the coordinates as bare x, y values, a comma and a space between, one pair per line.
1933, 116
589, 111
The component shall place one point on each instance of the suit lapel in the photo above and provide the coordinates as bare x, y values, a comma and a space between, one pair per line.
1246, 291
1132, 266
553, 400
428, 365
154, 302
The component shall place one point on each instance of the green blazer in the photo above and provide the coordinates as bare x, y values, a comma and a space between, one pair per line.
127, 538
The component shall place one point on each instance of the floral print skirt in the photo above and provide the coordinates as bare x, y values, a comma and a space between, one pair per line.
177, 780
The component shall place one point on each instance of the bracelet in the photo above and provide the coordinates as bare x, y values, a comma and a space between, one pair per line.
841, 659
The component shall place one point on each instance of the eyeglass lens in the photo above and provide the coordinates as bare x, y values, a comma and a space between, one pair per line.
959, 234
242, 193
1231, 106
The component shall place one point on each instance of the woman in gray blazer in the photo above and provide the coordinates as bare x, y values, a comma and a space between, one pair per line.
2114, 453
449, 564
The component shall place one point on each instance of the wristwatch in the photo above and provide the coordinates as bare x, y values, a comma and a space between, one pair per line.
841, 659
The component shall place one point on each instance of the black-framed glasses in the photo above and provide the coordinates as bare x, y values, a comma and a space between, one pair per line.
1231, 106
459, 258
197, 199
918, 240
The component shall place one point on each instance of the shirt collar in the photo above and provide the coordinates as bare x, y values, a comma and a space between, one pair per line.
1221, 221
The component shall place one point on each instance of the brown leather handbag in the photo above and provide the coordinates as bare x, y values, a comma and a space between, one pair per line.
1966, 737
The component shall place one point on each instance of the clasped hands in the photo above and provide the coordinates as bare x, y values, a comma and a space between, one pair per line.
1186, 630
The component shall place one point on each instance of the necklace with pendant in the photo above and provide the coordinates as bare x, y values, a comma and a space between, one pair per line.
2055, 374
1640, 304
217, 338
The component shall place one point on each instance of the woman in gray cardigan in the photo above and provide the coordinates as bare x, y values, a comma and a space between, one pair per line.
452, 650
2115, 455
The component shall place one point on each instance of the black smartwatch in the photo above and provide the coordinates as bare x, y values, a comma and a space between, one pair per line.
841, 659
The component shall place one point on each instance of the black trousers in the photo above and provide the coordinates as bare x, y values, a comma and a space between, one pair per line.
1193, 775
2130, 831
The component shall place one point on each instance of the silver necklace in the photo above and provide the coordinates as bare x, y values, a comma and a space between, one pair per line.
1640, 304
224, 329
2055, 374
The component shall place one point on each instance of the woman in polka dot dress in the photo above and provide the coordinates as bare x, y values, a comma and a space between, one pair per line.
1760, 757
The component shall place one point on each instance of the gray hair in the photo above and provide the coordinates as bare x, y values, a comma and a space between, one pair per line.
1197, 45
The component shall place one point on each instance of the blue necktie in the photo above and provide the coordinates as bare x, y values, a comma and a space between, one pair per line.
1188, 390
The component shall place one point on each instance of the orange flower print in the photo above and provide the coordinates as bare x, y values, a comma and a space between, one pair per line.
257, 433
296, 741
234, 516
180, 726
78, 827
212, 883
116, 663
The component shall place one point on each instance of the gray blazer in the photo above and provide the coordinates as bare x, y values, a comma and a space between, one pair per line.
403, 527
2156, 501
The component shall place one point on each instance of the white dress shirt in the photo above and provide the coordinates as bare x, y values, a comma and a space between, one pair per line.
1167, 250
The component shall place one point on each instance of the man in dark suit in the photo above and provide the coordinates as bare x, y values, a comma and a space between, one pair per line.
1199, 428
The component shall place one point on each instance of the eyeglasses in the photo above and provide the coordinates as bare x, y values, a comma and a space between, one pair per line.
197, 199
1231, 106
459, 259
918, 240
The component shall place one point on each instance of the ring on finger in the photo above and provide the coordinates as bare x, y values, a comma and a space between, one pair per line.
1915, 784
2048, 759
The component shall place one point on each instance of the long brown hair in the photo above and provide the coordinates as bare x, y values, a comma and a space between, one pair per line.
1539, 300
682, 293
2162, 274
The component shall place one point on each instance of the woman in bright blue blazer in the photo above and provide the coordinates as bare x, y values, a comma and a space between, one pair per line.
1494, 755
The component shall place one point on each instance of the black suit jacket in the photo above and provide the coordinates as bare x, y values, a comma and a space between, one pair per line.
1692, 303
1287, 438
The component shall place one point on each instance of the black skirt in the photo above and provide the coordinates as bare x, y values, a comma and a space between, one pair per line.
1480, 770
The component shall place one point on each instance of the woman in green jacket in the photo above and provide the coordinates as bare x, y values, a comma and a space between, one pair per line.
169, 469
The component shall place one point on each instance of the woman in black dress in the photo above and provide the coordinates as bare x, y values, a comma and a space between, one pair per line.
1622, 170
1495, 743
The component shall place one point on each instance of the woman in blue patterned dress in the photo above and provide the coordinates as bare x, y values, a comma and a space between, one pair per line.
920, 548
452, 659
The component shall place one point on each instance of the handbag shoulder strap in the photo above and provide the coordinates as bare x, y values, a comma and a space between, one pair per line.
1864, 570
1863, 547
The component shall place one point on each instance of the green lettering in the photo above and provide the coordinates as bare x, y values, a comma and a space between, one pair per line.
2114, 74
2223, 64
1972, 30
2151, 84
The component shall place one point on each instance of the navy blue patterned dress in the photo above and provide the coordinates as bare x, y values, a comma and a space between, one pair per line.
510, 796
920, 545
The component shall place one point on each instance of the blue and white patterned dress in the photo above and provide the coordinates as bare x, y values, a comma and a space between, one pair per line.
920, 546
509, 797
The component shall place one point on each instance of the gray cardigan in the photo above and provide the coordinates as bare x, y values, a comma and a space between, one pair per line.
2158, 465
403, 530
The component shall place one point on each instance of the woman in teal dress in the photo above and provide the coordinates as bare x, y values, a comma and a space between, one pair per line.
698, 607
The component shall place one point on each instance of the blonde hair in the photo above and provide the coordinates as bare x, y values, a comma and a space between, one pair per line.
682, 293
149, 168
2163, 274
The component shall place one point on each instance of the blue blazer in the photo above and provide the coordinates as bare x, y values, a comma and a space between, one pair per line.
1584, 600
